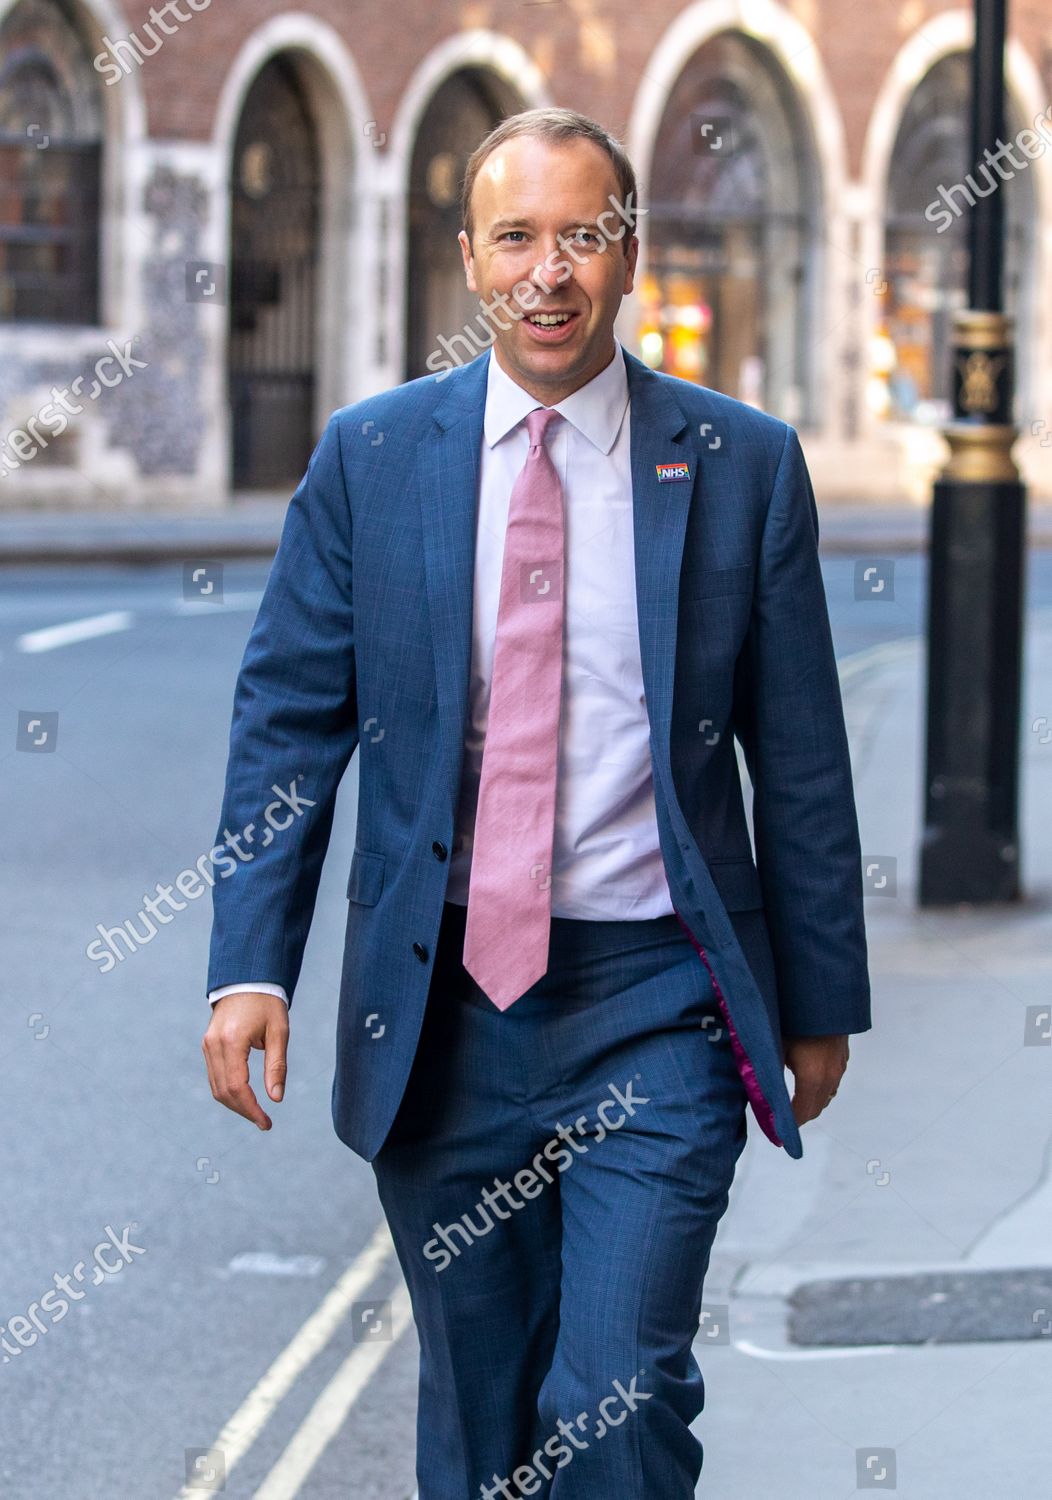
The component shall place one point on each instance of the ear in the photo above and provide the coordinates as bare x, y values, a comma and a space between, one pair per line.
469, 260
630, 263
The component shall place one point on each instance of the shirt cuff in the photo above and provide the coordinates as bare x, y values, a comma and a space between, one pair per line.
258, 989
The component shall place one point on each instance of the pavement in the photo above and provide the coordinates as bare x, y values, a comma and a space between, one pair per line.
930, 1171
251, 527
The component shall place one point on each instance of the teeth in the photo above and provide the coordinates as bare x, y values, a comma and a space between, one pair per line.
550, 320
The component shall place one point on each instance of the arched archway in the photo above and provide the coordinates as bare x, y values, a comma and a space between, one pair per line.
728, 291
333, 98
464, 108
925, 246
275, 189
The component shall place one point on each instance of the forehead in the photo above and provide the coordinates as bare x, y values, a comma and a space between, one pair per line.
528, 170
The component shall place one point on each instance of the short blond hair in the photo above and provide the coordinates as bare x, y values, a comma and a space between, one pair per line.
555, 125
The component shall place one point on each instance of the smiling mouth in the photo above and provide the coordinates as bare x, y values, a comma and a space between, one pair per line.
549, 326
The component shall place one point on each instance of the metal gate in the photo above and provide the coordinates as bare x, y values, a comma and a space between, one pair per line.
273, 281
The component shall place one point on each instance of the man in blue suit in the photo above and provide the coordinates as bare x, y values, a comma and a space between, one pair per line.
566, 975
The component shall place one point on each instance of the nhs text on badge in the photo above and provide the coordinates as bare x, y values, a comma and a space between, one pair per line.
669, 473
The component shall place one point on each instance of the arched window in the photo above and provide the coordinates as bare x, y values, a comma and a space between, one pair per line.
275, 209
462, 111
925, 269
726, 296
50, 168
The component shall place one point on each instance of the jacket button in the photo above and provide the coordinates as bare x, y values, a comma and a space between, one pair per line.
421, 952
439, 850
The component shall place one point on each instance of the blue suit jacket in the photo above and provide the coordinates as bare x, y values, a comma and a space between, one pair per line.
363, 639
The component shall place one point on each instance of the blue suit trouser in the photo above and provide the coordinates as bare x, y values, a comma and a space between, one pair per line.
553, 1181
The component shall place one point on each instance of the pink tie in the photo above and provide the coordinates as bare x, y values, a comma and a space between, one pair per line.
510, 885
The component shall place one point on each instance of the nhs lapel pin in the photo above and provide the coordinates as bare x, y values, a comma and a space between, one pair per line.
672, 473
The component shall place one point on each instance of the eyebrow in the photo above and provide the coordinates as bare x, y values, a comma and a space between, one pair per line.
504, 224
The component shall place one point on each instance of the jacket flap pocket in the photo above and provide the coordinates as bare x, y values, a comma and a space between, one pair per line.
366, 878
738, 883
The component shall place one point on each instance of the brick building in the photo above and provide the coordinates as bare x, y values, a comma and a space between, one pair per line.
247, 214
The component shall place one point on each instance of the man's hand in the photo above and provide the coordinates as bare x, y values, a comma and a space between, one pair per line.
239, 1023
817, 1063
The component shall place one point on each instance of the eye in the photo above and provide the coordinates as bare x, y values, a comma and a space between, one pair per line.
507, 232
586, 234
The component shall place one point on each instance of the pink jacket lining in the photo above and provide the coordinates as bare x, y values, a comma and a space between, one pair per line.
760, 1107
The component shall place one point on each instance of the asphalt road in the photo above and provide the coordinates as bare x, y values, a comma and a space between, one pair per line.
240, 1314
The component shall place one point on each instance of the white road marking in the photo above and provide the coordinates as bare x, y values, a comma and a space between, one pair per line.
329, 1412
53, 636
266, 1263
241, 1431
757, 1352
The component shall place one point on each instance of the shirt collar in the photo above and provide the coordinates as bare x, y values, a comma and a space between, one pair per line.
596, 409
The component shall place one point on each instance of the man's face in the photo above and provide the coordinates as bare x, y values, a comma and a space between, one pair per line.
527, 193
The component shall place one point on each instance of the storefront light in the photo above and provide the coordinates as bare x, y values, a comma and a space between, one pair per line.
692, 316
652, 346
878, 398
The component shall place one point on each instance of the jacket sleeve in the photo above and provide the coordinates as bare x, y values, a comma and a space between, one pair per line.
789, 717
293, 732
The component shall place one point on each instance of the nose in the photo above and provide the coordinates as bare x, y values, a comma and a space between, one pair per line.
553, 270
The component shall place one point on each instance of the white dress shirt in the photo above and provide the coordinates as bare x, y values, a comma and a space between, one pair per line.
606, 857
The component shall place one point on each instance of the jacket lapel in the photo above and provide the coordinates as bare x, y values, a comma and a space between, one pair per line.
660, 436
447, 476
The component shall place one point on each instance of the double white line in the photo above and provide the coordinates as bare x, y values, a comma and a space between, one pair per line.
329, 1411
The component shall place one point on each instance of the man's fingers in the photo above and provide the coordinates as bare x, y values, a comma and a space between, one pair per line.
811, 1096
228, 1074
241, 1022
240, 1097
818, 1064
275, 1068
208, 1065
807, 1102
